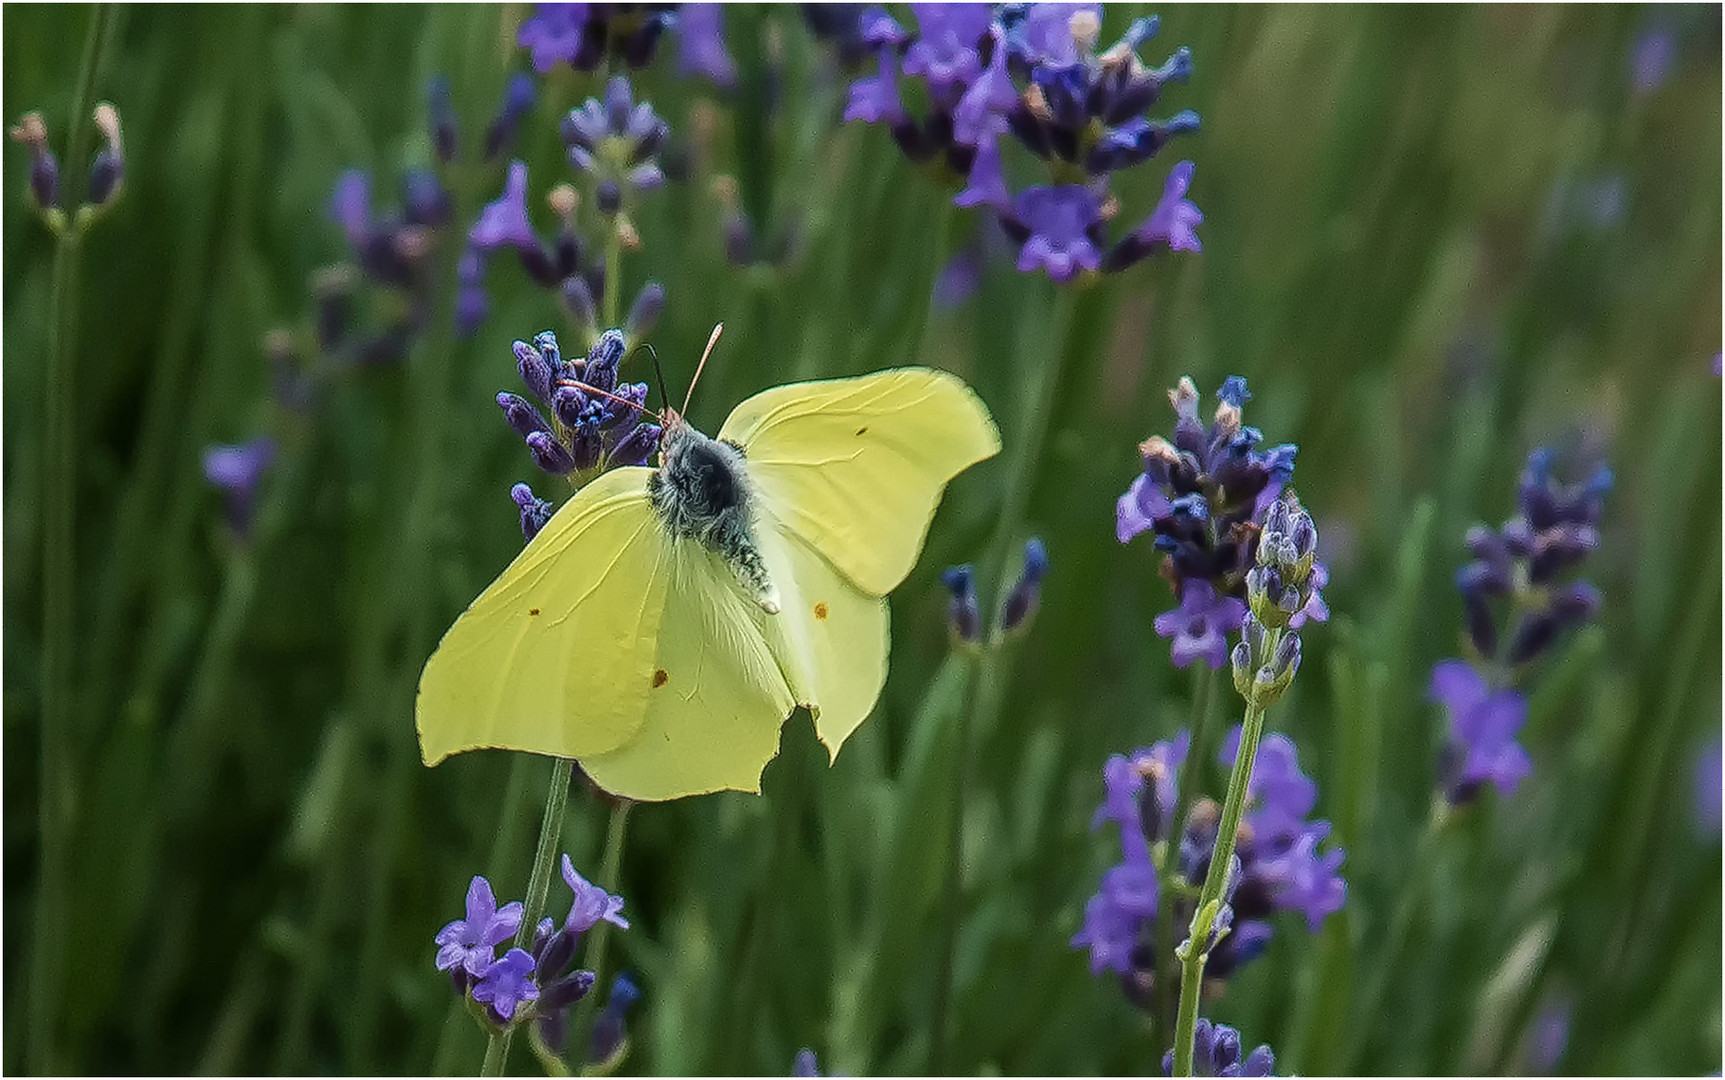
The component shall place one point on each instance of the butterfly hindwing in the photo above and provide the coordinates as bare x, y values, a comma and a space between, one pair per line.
856, 466
556, 656
717, 695
831, 636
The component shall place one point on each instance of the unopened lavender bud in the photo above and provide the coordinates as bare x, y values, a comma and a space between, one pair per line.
549, 454
31, 133
637, 446
535, 512
1240, 659
963, 616
557, 954
578, 301
332, 307
522, 416
608, 196
109, 165
517, 101
1022, 602
603, 360
568, 402
644, 312
566, 991
535, 370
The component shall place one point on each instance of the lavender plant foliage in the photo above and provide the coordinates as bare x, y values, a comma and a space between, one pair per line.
1520, 597
1280, 868
1216, 1052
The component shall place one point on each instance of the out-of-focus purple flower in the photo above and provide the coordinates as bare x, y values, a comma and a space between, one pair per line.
1483, 724
32, 133
1523, 565
701, 45
1026, 594
1202, 491
1058, 229
469, 943
1200, 625
592, 904
582, 35
237, 471
1216, 1052
1173, 224
874, 99
609, 1028
805, 1063
958, 280
1114, 917
507, 984
1140, 790
615, 144
1548, 1037
504, 222
964, 614
108, 167
1652, 57
517, 102
1707, 782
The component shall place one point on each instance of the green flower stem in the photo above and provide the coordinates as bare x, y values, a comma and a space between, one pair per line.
538, 885
613, 274
610, 867
59, 586
1196, 950
1203, 693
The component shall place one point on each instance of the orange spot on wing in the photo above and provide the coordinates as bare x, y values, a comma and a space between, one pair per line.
660, 678
820, 611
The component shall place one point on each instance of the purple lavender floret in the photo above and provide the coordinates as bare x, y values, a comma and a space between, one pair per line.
237, 471
1201, 624
583, 35
507, 985
1201, 497
469, 944
1216, 1052
1483, 723
701, 45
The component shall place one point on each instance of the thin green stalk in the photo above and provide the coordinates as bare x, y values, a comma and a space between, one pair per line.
1196, 948
1203, 692
613, 274
59, 584
538, 885
610, 867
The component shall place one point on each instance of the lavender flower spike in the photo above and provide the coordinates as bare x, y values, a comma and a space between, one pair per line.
1216, 1052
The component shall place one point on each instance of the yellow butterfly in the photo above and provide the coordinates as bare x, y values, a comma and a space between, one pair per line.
665, 622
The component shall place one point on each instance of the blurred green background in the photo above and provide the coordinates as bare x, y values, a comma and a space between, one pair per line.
1433, 238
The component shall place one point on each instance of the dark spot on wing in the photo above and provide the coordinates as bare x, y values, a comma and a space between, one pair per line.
862, 430
660, 678
821, 610
532, 611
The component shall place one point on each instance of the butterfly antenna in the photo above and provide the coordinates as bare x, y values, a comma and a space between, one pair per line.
708, 351
578, 384
658, 373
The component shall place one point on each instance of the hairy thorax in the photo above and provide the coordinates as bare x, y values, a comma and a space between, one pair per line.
701, 492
